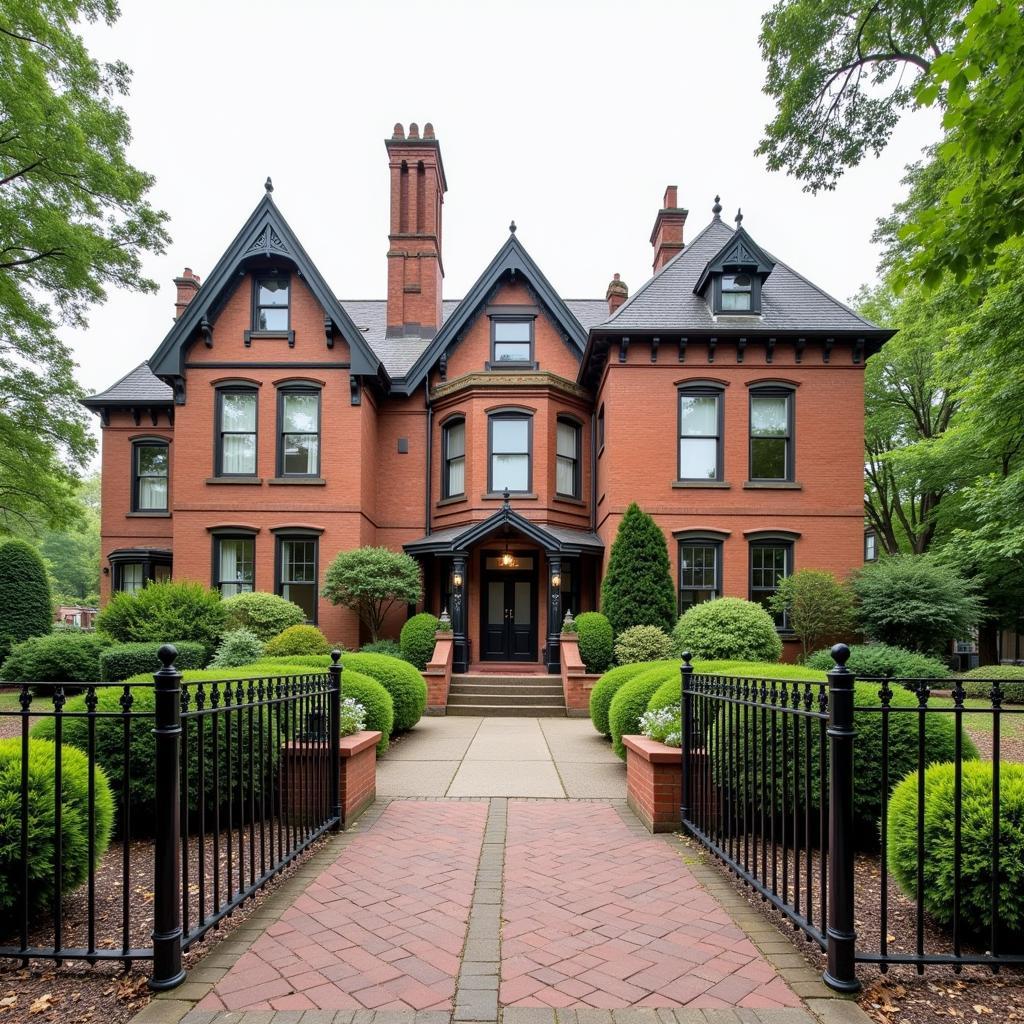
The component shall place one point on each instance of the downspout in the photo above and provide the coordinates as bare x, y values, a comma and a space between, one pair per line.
430, 451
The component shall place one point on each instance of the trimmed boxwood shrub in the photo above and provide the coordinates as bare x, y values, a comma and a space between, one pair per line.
728, 628
302, 639
417, 639
389, 647
642, 643
376, 701
940, 733
121, 661
405, 684
265, 614
74, 828
65, 657
883, 660
976, 840
25, 608
631, 702
1011, 682
239, 647
605, 689
161, 612
594, 632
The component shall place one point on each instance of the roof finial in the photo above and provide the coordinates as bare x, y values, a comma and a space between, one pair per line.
739, 219
512, 227
505, 496
717, 208
268, 185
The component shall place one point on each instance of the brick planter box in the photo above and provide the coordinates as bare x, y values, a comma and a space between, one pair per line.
357, 776
654, 782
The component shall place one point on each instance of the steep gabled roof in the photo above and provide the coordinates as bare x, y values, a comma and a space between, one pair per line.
265, 233
510, 260
136, 387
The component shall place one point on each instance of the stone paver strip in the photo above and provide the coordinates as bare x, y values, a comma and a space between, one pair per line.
380, 929
598, 915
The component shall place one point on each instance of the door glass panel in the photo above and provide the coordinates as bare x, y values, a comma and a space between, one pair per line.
496, 603
521, 562
522, 603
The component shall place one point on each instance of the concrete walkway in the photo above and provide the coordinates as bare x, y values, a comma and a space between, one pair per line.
502, 757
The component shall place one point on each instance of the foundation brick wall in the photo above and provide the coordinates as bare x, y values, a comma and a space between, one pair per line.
653, 782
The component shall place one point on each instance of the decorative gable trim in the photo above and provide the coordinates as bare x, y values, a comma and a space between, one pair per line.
741, 252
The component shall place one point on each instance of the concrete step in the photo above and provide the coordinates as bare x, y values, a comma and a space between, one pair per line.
512, 692
505, 711
510, 681
553, 700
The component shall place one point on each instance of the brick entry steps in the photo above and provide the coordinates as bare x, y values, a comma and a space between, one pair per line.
491, 696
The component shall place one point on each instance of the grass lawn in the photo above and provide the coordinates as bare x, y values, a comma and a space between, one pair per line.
9, 700
1011, 723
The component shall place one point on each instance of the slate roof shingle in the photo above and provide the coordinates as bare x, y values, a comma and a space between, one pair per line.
137, 387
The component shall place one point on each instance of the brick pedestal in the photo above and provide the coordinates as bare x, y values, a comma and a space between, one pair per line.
654, 782
438, 673
576, 684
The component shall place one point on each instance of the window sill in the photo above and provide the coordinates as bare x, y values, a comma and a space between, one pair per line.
307, 481
234, 479
511, 364
251, 336
772, 485
455, 499
722, 485
148, 515
567, 499
518, 495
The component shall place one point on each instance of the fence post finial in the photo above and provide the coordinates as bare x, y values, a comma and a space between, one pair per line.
334, 671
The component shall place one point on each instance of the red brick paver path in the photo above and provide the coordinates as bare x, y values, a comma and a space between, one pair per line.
382, 928
595, 915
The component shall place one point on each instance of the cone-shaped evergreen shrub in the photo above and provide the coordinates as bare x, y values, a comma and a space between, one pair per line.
637, 588
24, 595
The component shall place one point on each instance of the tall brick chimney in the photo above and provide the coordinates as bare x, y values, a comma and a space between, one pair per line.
415, 270
667, 236
616, 294
187, 285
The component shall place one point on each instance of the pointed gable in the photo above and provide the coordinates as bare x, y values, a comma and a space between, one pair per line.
265, 235
741, 252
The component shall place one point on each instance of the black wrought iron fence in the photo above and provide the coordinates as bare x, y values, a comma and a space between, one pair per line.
798, 785
205, 791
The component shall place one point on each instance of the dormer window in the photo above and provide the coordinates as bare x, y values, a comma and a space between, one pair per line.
271, 305
737, 293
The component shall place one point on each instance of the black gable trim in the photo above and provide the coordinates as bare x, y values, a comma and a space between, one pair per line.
741, 251
511, 259
266, 233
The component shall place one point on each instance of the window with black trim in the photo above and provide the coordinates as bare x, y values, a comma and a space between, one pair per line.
270, 303
298, 417
770, 562
870, 546
700, 571
771, 434
236, 431
737, 293
567, 458
130, 577
600, 429
234, 564
454, 448
150, 467
297, 572
700, 434
511, 340
509, 437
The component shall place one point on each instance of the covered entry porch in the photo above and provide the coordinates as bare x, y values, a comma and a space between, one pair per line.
507, 582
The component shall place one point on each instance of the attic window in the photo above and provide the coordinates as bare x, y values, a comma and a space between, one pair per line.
271, 305
736, 293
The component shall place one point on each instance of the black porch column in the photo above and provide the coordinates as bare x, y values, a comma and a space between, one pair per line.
554, 613
460, 658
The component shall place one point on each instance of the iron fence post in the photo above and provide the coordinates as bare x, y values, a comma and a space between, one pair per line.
840, 973
167, 969
685, 725
334, 671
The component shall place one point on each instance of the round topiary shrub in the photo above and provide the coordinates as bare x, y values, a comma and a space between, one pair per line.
642, 643
25, 608
65, 657
940, 738
376, 702
976, 844
74, 825
1011, 682
631, 702
728, 628
594, 632
405, 684
265, 614
238, 647
417, 639
165, 612
303, 639
605, 689
877, 660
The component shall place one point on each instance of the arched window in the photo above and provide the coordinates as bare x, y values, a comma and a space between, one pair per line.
298, 418
453, 442
236, 431
510, 451
771, 433
150, 473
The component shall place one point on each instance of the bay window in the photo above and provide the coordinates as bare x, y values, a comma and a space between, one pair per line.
567, 458
453, 440
509, 457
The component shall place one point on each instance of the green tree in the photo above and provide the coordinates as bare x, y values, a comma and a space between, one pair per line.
74, 220
637, 589
370, 580
819, 608
72, 555
25, 608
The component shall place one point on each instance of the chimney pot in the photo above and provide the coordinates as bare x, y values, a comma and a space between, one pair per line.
414, 130
617, 293
670, 200
428, 131
398, 132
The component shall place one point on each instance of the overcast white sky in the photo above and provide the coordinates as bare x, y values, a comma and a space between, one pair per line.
570, 117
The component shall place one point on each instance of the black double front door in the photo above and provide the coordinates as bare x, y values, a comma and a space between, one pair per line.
508, 609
